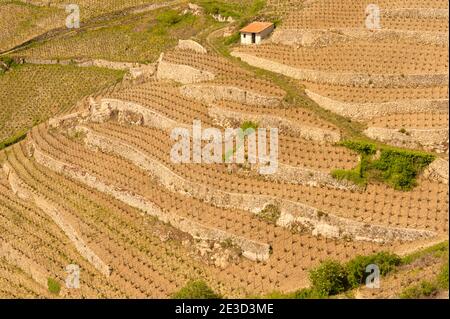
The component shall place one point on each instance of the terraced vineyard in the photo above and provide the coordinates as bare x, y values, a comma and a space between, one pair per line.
372, 76
94, 183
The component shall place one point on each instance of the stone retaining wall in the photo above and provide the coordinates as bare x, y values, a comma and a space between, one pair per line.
339, 78
291, 212
250, 249
325, 37
184, 74
191, 45
438, 170
427, 139
222, 117
21, 190
366, 111
210, 93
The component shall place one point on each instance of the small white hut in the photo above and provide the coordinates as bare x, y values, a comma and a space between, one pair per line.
255, 32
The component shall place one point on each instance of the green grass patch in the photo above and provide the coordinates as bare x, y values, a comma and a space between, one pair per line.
16, 138
196, 289
395, 167
53, 286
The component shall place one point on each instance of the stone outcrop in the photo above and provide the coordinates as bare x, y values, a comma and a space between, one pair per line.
210, 93
366, 111
222, 117
438, 170
184, 74
339, 78
22, 191
250, 249
191, 45
427, 139
291, 212
130, 113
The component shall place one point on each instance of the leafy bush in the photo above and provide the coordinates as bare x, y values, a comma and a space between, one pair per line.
249, 125
400, 168
305, 293
53, 286
360, 147
270, 213
396, 167
6, 63
196, 289
356, 268
329, 278
308, 293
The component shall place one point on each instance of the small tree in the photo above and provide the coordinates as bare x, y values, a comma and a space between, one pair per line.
329, 278
196, 289
53, 286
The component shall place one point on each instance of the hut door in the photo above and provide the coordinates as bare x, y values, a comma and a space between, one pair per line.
253, 37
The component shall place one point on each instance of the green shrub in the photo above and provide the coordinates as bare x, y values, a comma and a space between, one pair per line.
6, 63
356, 268
400, 168
249, 125
424, 289
396, 167
270, 213
53, 286
360, 147
329, 278
442, 278
308, 293
196, 289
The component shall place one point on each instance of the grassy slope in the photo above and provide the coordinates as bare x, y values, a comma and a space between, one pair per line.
134, 38
30, 94
20, 22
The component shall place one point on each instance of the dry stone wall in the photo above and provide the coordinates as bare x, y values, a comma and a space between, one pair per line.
184, 74
348, 79
320, 38
191, 45
291, 212
427, 139
438, 170
210, 93
366, 111
22, 191
311, 133
250, 249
